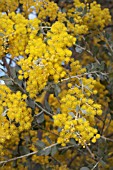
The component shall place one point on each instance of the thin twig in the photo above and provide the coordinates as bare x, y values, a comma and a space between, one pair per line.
80, 75
88, 149
26, 155
57, 161
40, 107
84, 49
96, 164
71, 160
66, 147
39, 113
103, 137
109, 135
48, 130
104, 123
21, 89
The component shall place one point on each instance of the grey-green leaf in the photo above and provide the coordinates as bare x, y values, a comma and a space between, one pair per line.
1, 34
48, 139
72, 114
40, 144
77, 108
46, 151
47, 106
80, 9
103, 163
57, 90
31, 103
24, 150
5, 78
54, 150
40, 118
84, 168
73, 142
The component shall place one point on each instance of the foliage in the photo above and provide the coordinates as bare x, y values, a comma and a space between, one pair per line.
56, 109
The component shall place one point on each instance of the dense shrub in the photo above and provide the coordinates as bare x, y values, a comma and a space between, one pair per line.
56, 109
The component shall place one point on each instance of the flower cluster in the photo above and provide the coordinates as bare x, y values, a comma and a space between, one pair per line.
15, 32
8, 5
76, 119
15, 116
46, 10
82, 17
46, 58
77, 107
92, 17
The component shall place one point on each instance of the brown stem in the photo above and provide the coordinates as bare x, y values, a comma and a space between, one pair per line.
109, 135
88, 149
71, 160
7, 66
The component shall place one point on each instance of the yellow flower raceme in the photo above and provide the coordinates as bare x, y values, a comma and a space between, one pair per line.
45, 58
15, 33
77, 109
13, 112
8, 5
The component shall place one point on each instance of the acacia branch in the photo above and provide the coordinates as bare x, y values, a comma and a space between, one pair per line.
71, 160
26, 155
105, 138
40, 107
80, 75
109, 135
96, 164
84, 49
88, 149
